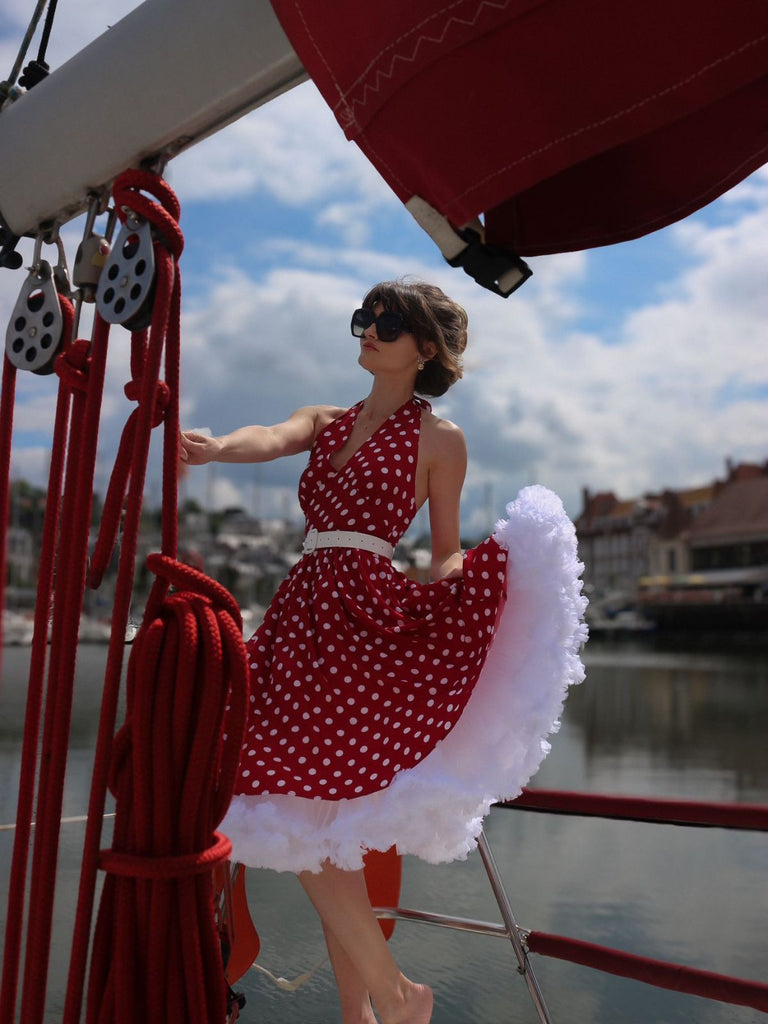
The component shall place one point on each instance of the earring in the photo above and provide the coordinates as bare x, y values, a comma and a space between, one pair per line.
420, 365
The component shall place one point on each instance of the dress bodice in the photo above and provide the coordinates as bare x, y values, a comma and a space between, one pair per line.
375, 490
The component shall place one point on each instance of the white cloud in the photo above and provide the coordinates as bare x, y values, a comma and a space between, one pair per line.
291, 149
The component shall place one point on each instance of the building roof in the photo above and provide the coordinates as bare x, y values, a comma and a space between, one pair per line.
739, 512
696, 495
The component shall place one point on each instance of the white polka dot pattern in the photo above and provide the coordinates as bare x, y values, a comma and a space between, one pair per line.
358, 672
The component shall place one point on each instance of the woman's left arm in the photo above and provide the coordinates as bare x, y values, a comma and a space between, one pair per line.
447, 469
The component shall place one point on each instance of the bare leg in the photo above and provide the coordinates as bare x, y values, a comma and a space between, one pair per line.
341, 900
354, 997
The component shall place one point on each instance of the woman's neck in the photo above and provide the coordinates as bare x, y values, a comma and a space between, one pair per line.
385, 398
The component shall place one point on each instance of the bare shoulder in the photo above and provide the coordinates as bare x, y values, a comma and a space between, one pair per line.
300, 430
317, 417
321, 416
443, 439
330, 412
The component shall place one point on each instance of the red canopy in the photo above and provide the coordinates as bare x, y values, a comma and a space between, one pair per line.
567, 125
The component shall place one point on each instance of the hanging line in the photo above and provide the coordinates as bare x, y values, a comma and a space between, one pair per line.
156, 950
73, 365
82, 371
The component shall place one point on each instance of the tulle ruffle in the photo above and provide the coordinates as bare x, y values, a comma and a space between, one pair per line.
436, 809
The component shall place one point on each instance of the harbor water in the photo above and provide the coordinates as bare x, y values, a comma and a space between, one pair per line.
682, 717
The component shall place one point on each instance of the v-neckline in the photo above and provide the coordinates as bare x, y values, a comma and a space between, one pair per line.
356, 409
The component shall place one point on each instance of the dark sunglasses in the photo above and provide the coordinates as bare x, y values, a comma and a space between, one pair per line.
389, 326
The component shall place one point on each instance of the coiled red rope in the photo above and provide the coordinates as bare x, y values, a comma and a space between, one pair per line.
156, 953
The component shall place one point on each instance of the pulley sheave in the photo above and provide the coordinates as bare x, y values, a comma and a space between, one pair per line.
34, 334
126, 284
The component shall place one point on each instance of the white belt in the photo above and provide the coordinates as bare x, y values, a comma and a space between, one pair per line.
345, 539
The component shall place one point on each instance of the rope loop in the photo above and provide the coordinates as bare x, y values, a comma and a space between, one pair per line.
163, 215
159, 869
186, 578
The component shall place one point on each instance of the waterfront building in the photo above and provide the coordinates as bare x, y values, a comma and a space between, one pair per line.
615, 540
696, 556
733, 531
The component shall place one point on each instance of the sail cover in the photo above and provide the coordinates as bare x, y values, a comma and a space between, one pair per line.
565, 124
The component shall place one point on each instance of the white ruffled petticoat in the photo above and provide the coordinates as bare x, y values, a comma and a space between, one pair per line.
436, 809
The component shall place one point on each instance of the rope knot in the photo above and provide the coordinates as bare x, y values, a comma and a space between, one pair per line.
161, 400
73, 363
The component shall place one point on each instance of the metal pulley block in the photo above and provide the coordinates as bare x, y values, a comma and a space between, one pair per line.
34, 334
91, 257
126, 285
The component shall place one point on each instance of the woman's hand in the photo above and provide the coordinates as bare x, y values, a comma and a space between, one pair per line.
451, 568
198, 449
455, 574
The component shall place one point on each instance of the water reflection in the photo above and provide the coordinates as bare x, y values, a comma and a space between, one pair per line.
695, 721
649, 719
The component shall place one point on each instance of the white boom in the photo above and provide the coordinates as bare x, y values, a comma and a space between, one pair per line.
166, 76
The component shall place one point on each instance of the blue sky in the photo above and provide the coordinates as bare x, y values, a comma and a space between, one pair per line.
631, 368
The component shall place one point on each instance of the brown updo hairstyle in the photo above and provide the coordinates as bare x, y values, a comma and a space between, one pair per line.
429, 315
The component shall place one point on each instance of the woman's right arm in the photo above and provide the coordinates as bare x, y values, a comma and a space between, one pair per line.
257, 443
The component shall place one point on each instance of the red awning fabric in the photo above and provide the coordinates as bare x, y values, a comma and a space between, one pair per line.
567, 125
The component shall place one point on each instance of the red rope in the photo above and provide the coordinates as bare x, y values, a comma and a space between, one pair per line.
130, 472
635, 808
75, 356
652, 972
156, 952
156, 947
85, 378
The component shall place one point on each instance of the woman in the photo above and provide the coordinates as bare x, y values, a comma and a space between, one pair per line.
360, 734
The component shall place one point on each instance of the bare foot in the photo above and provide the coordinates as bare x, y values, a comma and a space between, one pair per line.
366, 1018
414, 1008
360, 1016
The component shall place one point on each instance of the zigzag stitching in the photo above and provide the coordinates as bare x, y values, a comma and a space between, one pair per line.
382, 75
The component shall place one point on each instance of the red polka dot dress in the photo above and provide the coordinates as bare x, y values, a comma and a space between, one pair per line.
359, 676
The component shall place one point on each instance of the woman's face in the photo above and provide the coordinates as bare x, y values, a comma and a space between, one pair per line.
400, 356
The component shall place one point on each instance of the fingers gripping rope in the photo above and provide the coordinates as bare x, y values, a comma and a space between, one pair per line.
172, 773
